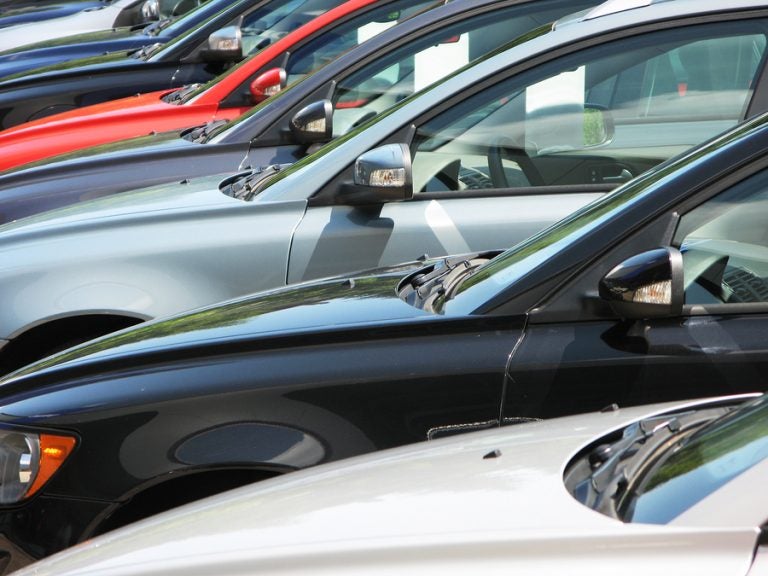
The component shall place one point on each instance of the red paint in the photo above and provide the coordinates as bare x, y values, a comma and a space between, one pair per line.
147, 113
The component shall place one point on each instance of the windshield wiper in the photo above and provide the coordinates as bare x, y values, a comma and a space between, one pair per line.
145, 52
156, 27
180, 95
246, 186
427, 289
605, 476
200, 134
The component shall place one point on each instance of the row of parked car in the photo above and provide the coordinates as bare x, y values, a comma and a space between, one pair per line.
326, 228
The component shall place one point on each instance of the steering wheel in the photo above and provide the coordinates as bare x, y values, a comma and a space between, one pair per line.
507, 148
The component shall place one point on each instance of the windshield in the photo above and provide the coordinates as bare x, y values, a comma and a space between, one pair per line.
201, 13
696, 466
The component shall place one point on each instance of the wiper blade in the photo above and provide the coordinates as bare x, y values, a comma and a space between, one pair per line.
245, 187
426, 290
200, 134
180, 95
145, 52
156, 27
614, 468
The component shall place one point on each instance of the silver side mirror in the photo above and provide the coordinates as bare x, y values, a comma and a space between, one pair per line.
384, 174
225, 44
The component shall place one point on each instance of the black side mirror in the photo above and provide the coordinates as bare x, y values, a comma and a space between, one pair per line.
648, 285
313, 123
382, 175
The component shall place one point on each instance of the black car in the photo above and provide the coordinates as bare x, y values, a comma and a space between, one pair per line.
126, 38
655, 292
196, 56
263, 136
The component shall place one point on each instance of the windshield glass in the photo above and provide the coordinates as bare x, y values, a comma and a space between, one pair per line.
696, 466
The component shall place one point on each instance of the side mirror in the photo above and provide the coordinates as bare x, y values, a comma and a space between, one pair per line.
268, 84
648, 285
384, 174
150, 10
313, 123
225, 45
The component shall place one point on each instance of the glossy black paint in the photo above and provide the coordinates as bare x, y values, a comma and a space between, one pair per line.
262, 388
258, 139
43, 91
125, 39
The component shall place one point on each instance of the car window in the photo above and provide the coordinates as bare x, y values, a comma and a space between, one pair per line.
725, 246
330, 45
274, 20
389, 79
600, 116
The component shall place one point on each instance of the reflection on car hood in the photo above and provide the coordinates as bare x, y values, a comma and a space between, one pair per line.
294, 311
52, 52
69, 68
491, 502
111, 152
189, 196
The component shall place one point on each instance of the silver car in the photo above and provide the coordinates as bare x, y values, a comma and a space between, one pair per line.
673, 489
477, 161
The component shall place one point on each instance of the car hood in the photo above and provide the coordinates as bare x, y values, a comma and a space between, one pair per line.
51, 52
70, 68
307, 311
491, 502
172, 200
111, 153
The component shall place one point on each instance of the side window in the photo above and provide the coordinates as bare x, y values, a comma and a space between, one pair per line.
332, 43
274, 20
424, 60
725, 246
597, 117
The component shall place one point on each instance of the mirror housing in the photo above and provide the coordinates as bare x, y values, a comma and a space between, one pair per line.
648, 285
313, 123
268, 84
225, 45
150, 10
384, 174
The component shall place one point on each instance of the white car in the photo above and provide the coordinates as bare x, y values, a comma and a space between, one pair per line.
110, 14
679, 488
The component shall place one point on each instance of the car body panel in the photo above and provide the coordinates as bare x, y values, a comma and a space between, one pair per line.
507, 514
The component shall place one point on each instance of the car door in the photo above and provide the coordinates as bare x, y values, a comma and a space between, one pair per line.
497, 165
575, 359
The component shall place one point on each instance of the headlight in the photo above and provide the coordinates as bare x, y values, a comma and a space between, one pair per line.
150, 10
28, 460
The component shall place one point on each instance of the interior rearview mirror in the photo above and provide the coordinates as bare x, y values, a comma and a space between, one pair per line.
648, 285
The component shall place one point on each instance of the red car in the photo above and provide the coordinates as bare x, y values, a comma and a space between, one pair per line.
296, 54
